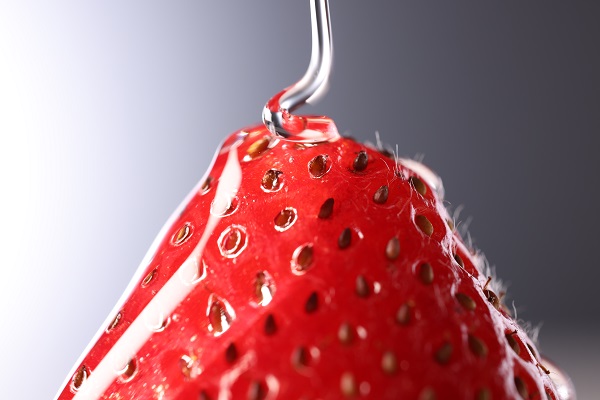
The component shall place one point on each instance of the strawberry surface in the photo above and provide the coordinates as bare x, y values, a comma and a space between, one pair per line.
311, 271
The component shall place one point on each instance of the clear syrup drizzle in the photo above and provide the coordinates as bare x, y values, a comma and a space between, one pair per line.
277, 115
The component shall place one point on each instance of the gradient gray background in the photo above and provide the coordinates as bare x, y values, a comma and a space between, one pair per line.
110, 113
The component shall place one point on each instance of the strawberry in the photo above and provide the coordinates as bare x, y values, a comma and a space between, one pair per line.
301, 271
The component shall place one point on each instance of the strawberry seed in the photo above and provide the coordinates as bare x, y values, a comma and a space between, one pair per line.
381, 195
345, 238
326, 209
424, 225
312, 303
272, 181
285, 219
80, 376
426, 273
418, 185
270, 325
466, 301
361, 161
319, 166
392, 249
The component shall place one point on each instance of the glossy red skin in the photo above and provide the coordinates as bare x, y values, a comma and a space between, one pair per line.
436, 316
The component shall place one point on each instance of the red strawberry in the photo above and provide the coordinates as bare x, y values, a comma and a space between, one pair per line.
299, 271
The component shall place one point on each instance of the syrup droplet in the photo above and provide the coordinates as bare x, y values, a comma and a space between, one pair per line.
232, 241
285, 219
272, 181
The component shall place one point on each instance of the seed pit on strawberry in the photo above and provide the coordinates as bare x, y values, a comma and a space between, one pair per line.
418, 185
220, 315
129, 371
302, 259
319, 166
79, 377
459, 260
206, 185
115, 322
149, 278
263, 288
257, 148
182, 235
272, 181
513, 342
232, 241
285, 219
